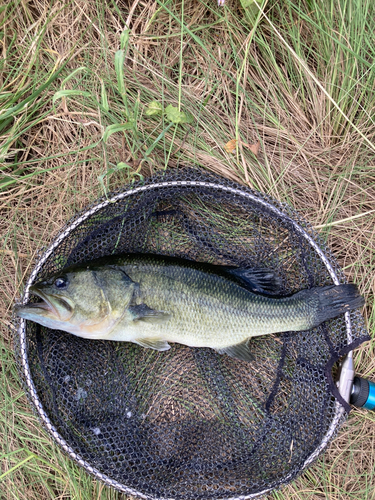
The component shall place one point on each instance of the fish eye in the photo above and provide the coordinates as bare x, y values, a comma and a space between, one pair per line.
61, 282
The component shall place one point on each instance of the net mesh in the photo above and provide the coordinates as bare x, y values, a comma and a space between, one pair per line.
190, 423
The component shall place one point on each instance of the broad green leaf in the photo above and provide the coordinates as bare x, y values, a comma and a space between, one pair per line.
121, 165
136, 110
104, 98
124, 39
174, 115
183, 117
117, 127
119, 68
154, 108
69, 93
189, 118
247, 3
73, 73
251, 8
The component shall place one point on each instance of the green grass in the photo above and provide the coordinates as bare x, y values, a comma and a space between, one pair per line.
76, 88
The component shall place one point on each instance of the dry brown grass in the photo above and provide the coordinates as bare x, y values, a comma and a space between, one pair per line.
308, 158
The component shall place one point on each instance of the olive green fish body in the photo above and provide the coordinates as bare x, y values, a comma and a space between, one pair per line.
208, 310
153, 300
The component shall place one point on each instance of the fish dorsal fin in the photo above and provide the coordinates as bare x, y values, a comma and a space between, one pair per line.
256, 280
142, 312
238, 351
151, 343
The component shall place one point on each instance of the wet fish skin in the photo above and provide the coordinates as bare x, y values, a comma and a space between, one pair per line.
152, 300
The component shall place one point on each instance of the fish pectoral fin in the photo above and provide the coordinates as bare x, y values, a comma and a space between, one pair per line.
238, 351
152, 343
142, 312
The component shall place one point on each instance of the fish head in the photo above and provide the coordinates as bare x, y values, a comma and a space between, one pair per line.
84, 301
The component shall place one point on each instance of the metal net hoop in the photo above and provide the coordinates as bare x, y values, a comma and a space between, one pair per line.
183, 184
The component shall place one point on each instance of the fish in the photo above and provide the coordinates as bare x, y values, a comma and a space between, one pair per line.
154, 300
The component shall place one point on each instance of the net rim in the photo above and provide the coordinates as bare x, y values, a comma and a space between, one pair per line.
21, 330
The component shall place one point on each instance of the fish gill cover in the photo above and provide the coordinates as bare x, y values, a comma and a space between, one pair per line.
188, 422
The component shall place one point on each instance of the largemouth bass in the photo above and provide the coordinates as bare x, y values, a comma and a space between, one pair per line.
153, 300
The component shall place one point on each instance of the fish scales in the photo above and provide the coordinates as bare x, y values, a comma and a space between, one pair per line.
152, 300
208, 309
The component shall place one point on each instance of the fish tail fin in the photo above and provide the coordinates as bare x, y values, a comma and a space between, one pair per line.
337, 299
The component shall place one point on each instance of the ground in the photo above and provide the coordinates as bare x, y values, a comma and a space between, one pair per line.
97, 94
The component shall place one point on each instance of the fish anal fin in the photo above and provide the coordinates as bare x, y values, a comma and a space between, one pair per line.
142, 312
152, 343
238, 351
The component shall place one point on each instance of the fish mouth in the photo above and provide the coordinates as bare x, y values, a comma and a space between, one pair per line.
46, 304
